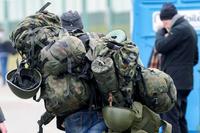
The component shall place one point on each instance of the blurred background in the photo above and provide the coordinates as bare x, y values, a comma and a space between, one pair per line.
97, 15
138, 18
107, 14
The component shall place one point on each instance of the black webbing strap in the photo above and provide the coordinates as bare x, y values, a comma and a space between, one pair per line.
44, 7
141, 78
44, 120
151, 101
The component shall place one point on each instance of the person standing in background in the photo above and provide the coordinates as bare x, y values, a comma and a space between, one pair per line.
3, 57
3, 128
5, 49
177, 42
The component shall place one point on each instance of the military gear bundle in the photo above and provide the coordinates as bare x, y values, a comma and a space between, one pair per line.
72, 70
56, 54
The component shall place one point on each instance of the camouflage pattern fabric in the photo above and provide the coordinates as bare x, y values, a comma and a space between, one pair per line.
145, 119
35, 22
65, 95
105, 76
35, 32
66, 53
124, 57
96, 46
104, 73
160, 94
126, 62
136, 119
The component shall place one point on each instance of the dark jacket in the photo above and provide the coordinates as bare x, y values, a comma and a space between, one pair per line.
1, 116
7, 47
180, 52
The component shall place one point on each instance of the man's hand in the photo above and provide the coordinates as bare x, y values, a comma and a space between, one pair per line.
3, 128
162, 32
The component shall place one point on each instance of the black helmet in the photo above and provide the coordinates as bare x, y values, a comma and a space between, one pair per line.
25, 82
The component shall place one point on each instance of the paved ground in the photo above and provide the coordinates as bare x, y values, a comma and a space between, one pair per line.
22, 115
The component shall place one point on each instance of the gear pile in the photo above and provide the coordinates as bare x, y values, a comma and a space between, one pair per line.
72, 72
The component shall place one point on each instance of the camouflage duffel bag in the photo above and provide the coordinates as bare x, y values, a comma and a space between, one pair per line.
64, 95
157, 90
104, 73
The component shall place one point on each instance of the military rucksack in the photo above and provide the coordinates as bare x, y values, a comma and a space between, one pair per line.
35, 39
64, 55
114, 66
35, 32
157, 90
64, 91
65, 95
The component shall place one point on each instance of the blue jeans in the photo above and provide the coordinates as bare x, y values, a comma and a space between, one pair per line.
3, 61
85, 122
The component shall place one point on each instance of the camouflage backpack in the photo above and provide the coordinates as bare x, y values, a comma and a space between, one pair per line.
157, 90
114, 66
44, 44
35, 39
62, 93
64, 90
65, 55
65, 95
35, 32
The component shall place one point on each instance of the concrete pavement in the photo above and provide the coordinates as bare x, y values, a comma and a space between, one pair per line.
22, 114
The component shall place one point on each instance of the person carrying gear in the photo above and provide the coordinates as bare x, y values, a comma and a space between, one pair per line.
81, 78
72, 22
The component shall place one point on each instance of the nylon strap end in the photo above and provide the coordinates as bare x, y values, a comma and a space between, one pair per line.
44, 7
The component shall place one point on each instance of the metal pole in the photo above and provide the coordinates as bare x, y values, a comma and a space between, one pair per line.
24, 8
109, 15
84, 14
63, 6
6, 22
